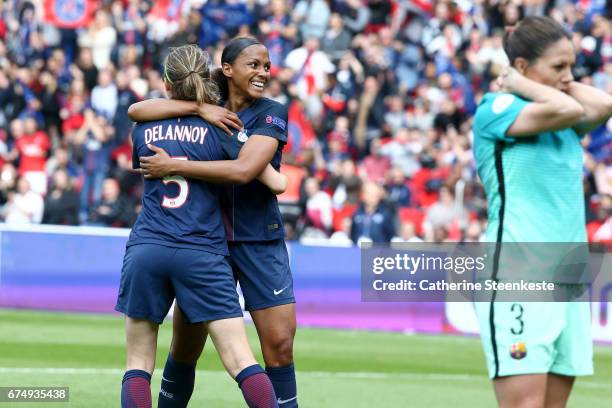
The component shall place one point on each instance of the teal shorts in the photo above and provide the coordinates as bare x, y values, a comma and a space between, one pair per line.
536, 337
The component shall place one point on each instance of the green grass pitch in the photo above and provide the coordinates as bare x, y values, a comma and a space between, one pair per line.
336, 368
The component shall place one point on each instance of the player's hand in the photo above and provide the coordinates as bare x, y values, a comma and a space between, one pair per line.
220, 117
507, 79
157, 166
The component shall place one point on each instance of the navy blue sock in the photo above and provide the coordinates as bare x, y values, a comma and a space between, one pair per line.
283, 380
177, 384
256, 387
136, 389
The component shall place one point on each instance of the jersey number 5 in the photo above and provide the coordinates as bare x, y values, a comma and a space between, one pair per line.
183, 186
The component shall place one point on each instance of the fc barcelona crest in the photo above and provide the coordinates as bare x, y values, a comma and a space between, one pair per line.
518, 350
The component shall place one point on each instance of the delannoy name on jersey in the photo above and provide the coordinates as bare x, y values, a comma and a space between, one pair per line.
182, 133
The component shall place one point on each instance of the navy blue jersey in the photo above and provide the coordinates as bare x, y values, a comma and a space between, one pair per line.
251, 211
178, 211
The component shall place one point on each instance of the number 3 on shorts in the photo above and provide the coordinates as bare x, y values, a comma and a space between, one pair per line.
179, 200
518, 309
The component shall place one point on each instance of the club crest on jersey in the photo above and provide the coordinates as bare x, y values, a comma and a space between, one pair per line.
242, 136
502, 102
276, 121
518, 350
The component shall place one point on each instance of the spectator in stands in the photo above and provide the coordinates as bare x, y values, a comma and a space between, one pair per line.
125, 97
373, 221
403, 150
223, 20
113, 208
345, 184
278, 31
311, 16
338, 142
318, 206
62, 202
445, 213
32, 148
131, 26
11, 96
85, 64
439, 235
104, 95
409, 64
93, 140
376, 165
309, 68
101, 38
50, 99
72, 114
492, 54
337, 40
407, 233
23, 206
57, 64
398, 192
355, 14
420, 118
61, 159
395, 117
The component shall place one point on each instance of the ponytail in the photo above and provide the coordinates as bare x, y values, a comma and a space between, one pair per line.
186, 69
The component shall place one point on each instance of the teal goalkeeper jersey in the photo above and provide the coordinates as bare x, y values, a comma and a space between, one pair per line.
533, 184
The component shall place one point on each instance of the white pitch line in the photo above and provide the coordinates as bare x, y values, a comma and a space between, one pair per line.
368, 375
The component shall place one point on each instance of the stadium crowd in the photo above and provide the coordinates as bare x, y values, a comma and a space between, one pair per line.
380, 94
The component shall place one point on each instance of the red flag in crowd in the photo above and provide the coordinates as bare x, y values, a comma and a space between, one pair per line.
69, 13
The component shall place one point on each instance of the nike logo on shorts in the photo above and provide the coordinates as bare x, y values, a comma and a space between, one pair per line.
281, 401
278, 292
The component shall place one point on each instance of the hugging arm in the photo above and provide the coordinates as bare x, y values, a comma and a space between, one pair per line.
158, 109
252, 160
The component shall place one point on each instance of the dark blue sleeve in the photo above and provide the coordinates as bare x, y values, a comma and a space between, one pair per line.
272, 122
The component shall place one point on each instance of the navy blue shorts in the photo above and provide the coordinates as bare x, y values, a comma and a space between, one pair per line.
262, 269
153, 275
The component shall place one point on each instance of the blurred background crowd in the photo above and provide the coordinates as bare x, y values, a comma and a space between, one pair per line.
381, 96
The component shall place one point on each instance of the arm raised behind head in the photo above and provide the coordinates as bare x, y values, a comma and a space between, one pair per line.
550, 109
